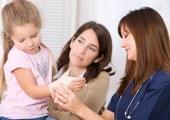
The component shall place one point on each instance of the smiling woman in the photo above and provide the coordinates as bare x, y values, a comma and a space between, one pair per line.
143, 93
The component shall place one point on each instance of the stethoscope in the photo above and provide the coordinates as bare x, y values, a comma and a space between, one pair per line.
128, 114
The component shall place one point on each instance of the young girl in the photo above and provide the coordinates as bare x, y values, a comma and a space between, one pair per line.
144, 92
26, 70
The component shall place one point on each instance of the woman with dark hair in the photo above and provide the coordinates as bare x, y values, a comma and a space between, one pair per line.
88, 54
144, 92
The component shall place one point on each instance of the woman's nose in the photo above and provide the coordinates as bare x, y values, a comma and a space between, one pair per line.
122, 43
83, 49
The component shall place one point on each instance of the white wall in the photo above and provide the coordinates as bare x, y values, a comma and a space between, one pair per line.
109, 12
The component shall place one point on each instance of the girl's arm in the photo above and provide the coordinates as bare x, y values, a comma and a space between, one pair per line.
28, 83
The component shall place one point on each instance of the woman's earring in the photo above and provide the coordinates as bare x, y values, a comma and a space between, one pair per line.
99, 59
96, 61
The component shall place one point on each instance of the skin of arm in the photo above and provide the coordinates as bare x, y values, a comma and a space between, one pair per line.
93, 96
27, 82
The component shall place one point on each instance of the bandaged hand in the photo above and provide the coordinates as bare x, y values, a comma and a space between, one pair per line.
64, 79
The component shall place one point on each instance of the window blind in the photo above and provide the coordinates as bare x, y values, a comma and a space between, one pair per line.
58, 22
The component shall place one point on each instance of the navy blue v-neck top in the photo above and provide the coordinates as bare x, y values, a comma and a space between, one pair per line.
153, 97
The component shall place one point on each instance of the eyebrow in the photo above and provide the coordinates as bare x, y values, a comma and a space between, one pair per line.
90, 44
36, 32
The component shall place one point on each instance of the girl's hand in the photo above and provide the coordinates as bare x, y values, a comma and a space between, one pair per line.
77, 83
65, 79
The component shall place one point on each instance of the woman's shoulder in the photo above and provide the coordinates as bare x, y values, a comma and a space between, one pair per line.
103, 77
163, 76
160, 80
104, 74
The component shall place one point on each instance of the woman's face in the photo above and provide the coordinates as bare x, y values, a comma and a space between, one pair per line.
128, 43
84, 49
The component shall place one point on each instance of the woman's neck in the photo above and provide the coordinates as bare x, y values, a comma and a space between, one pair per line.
76, 71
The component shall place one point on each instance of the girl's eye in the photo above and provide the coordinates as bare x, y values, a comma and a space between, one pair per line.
21, 40
34, 36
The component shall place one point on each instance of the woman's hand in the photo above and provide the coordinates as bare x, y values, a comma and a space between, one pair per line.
66, 99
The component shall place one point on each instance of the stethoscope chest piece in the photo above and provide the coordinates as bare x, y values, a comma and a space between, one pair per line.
128, 117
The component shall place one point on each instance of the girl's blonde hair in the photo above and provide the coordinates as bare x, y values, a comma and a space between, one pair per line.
18, 12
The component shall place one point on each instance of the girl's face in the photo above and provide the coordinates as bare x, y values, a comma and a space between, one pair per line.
128, 43
26, 38
84, 49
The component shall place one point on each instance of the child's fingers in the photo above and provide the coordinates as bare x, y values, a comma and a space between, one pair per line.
78, 87
79, 79
75, 83
53, 93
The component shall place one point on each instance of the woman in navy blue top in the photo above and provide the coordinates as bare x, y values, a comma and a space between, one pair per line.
147, 74
144, 91
144, 103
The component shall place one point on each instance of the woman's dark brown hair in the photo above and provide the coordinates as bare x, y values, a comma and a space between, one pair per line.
105, 50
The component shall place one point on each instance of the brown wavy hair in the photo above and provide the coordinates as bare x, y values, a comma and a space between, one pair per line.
105, 50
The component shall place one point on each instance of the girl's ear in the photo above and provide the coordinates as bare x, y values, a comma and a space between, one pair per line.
98, 59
